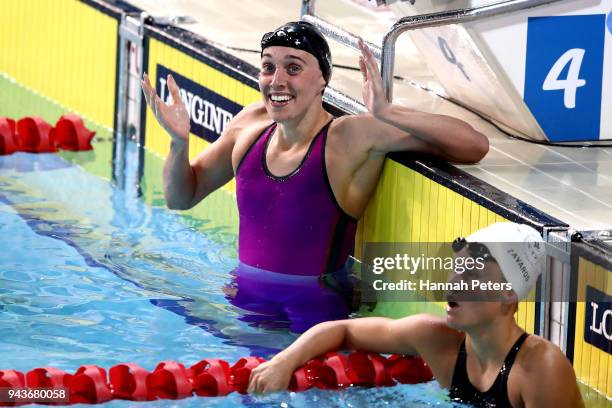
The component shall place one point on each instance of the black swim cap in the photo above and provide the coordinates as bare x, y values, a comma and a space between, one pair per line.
302, 36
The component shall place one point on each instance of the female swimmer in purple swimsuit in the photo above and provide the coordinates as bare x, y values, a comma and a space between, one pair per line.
303, 178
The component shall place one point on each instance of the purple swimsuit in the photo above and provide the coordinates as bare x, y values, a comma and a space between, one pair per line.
275, 300
291, 224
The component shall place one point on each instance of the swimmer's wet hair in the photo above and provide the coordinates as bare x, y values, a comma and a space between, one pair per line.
303, 36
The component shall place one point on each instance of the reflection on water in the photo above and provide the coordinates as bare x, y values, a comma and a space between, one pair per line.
273, 300
96, 260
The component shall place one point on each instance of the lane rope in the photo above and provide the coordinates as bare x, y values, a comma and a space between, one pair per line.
208, 378
35, 135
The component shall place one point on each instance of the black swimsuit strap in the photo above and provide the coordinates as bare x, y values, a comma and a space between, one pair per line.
463, 390
253, 143
509, 361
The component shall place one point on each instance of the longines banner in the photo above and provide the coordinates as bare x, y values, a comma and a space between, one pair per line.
598, 320
209, 112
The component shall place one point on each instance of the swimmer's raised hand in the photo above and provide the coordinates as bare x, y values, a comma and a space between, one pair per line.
372, 89
273, 375
174, 118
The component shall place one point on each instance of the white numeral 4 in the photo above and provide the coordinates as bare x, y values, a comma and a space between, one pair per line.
572, 82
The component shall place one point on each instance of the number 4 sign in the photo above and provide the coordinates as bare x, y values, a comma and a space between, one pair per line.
568, 85
563, 75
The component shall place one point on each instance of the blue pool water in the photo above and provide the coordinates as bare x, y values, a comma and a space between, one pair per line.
89, 274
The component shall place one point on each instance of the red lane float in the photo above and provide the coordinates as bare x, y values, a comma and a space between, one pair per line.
47, 377
215, 377
170, 380
11, 379
370, 369
211, 378
332, 373
408, 370
8, 137
70, 133
300, 381
33, 134
89, 385
241, 372
129, 381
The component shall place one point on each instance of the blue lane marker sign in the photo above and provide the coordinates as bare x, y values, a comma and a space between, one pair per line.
563, 75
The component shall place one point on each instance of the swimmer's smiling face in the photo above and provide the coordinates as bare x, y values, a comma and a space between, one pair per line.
290, 82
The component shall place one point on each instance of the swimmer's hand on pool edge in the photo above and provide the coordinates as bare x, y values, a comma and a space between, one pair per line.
174, 118
442, 136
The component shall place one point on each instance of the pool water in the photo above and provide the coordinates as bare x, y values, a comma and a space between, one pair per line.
91, 274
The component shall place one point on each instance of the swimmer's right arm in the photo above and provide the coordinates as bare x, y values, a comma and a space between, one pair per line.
187, 183
375, 334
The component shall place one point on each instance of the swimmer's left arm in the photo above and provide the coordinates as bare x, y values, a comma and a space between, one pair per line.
549, 381
396, 128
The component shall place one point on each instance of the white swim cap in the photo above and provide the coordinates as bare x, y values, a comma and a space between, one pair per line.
519, 251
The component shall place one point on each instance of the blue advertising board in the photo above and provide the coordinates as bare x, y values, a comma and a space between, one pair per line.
598, 319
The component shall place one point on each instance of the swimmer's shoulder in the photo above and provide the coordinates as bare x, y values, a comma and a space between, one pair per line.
350, 125
360, 123
537, 354
435, 341
431, 331
251, 119
244, 129
356, 132
248, 116
542, 368
253, 111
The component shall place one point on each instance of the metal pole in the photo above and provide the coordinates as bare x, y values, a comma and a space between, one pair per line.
338, 34
442, 18
120, 134
308, 8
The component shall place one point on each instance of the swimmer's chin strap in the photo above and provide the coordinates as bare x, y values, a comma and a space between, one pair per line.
209, 378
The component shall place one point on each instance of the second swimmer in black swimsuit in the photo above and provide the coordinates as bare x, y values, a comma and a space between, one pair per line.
477, 351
